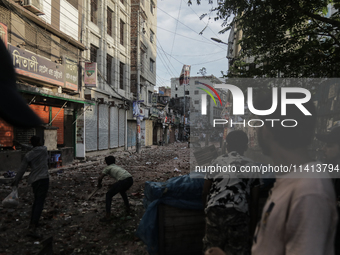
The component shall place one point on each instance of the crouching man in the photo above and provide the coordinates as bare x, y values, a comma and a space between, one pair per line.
124, 182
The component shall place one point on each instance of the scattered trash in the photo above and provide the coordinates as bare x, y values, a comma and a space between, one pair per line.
11, 201
9, 174
76, 219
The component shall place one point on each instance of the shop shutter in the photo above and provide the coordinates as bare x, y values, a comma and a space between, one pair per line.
103, 127
91, 129
121, 127
114, 127
131, 139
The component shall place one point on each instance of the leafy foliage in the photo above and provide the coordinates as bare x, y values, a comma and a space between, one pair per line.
283, 38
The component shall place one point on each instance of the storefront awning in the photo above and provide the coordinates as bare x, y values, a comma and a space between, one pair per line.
41, 92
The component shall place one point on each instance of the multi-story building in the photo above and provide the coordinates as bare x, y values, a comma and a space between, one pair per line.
44, 38
143, 63
107, 73
193, 94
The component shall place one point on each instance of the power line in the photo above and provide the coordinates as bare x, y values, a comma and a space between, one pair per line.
184, 24
173, 41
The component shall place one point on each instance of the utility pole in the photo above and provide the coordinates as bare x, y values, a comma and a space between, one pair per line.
184, 103
138, 145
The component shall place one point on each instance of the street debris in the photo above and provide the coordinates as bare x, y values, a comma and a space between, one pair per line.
73, 220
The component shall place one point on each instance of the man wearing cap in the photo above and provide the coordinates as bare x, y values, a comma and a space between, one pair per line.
331, 151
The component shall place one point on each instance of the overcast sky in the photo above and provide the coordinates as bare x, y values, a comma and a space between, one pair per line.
179, 41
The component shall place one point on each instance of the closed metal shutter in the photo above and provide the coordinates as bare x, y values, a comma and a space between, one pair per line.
114, 127
121, 127
91, 129
103, 127
131, 139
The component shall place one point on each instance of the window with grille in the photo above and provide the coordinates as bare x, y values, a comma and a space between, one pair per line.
109, 21
108, 69
196, 92
122, 27
94, 8
93, 53
152, 35
121, 75
152, 63
197, 101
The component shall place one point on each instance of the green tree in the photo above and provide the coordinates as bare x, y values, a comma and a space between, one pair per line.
286, 38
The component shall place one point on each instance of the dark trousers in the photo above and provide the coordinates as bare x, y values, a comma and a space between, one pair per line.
118, 187
40, 188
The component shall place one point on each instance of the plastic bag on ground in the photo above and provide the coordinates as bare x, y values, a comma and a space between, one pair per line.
12, 200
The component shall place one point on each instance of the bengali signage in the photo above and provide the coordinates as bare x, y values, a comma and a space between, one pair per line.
31, 65
154, 112
71, 73
90, 76
154, 99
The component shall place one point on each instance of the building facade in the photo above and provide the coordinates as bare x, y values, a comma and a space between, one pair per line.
194, 94
143, 65
107, 74
44, 38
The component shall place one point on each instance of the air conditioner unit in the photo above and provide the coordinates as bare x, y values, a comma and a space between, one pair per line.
35, 6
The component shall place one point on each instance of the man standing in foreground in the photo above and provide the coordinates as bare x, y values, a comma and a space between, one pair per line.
38, 178
331, 152
227, 208
299, 217
124, 182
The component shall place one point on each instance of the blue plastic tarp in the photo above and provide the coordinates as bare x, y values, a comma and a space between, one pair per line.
181, 192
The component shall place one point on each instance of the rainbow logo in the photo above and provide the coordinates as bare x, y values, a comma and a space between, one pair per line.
209, 93
204, 97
